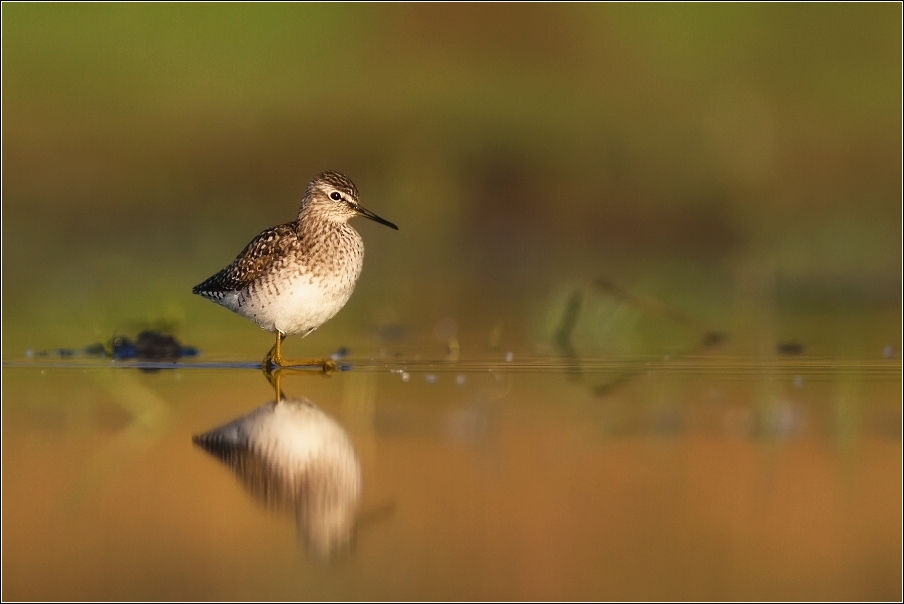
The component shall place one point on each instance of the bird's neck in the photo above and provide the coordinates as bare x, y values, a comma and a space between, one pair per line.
319, 232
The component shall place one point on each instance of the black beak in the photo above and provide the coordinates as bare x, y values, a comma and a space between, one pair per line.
374, 217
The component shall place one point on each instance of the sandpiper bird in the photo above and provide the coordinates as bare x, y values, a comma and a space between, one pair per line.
293, 278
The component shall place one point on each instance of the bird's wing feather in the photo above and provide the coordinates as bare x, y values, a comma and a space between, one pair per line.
261, 253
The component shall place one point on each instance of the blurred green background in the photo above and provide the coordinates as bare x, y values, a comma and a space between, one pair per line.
741, 163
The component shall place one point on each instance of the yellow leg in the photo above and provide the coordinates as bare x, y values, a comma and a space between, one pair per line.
275, 360
274, 357
274, 376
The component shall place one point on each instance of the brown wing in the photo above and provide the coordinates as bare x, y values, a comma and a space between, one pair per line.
263, 251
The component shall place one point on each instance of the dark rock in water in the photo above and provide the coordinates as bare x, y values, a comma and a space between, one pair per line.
155, 346
149, 346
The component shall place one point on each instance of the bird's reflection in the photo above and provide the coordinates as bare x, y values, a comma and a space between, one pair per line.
294, 458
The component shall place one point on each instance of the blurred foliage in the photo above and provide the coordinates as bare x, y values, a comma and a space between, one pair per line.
715, 156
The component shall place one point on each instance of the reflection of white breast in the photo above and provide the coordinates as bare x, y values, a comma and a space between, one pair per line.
294, 457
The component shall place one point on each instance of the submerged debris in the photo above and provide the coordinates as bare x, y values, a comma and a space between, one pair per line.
150, 345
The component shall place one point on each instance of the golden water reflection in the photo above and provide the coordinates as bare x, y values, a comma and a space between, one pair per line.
294, 458
702, 479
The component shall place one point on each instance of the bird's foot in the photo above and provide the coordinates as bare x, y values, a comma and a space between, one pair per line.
327, 366
275, 361
272, 366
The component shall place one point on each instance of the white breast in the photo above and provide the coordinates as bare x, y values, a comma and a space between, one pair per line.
301, 306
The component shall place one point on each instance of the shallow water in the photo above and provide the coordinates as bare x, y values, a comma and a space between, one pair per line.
704, 477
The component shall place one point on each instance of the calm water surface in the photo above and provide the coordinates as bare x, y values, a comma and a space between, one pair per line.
709, 477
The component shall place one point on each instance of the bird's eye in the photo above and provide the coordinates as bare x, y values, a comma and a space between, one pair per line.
336, 195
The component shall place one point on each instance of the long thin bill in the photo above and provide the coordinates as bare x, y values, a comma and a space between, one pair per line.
374, 217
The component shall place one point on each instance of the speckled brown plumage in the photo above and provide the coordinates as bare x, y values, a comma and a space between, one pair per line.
267, 251
294, 277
